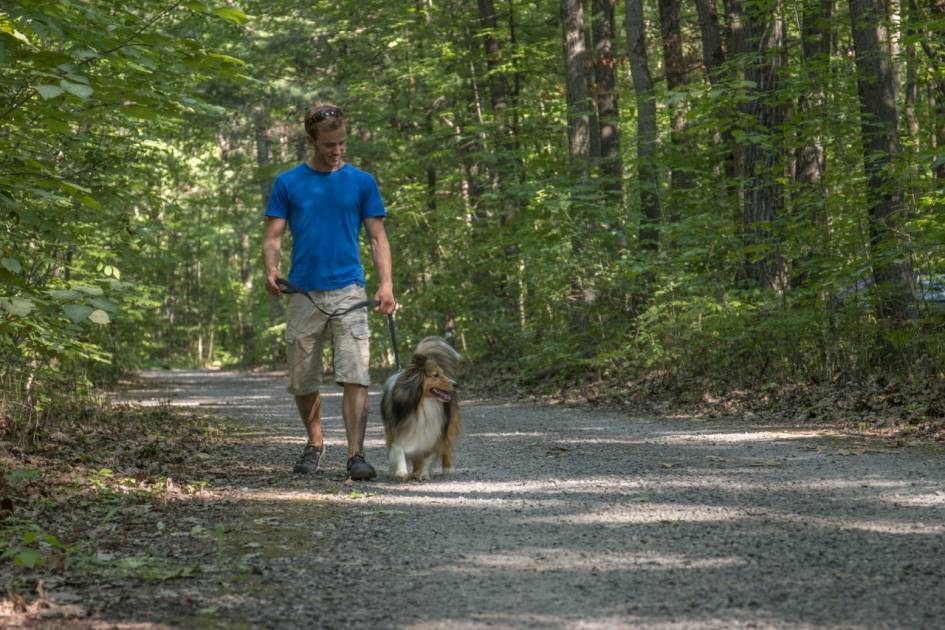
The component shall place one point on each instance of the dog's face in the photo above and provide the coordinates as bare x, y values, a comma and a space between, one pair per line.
436, 384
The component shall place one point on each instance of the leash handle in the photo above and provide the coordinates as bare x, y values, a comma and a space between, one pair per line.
393, 340
288, 287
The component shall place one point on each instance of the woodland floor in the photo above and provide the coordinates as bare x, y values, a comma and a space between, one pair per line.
184, 513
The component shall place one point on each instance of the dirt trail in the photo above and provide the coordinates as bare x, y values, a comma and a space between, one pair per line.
560, 518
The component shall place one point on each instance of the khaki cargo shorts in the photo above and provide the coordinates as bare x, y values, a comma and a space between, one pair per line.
307, 328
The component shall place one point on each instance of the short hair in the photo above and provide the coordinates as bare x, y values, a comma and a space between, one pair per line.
326, 114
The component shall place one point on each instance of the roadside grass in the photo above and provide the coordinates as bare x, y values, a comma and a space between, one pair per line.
118, 497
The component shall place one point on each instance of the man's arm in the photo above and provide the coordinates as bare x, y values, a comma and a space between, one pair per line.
380, 252
272, 252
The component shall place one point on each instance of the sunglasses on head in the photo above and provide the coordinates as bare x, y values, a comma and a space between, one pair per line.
327, 112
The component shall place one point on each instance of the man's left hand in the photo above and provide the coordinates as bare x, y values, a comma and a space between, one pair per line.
385, 300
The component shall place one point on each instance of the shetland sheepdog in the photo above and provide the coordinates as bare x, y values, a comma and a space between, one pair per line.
421, 412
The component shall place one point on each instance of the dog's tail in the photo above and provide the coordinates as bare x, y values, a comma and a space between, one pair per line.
438, 350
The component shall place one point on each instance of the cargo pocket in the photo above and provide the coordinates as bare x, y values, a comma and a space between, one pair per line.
297, 318
359, 330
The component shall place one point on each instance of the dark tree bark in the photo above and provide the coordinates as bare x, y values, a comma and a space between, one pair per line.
935, 51
498, 85
758, 36
576, 81
605, 76
912, 84
675, 67
646, 125
713, 58
581, 141
811, 159
712, 54
878, 121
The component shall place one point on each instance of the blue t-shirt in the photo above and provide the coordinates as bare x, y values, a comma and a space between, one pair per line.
324, 212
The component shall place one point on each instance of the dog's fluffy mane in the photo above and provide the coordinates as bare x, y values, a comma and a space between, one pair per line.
407, 391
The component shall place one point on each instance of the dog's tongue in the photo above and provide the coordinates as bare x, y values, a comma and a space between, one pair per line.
443, 395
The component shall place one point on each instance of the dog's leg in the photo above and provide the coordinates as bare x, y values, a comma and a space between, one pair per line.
416, 462
397, 462
447, 463
426, 467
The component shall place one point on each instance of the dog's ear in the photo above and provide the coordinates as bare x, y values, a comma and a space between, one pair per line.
419, 361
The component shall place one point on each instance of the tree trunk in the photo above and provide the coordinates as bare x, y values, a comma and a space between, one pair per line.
675, 66
713, 58
911, 86
576, 83
712, 53
878, 121
933, 46
498, 85
811, 159
581, 143
758, 34
648, 173
605, 76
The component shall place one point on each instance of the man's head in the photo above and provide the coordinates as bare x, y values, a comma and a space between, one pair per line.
324, 117
326, 128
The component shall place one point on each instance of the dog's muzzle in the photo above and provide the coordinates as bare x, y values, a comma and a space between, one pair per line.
441, 394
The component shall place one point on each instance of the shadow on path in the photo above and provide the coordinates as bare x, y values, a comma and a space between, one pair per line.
559, 518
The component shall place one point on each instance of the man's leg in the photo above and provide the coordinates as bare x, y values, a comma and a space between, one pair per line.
310, 410
305, 330
310, 407
354, 410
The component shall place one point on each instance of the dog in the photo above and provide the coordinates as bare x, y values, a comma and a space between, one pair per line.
420, 411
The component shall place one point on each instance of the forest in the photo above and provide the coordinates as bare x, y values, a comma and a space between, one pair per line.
665, 194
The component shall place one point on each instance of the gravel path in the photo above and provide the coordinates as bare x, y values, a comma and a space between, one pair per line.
563, 518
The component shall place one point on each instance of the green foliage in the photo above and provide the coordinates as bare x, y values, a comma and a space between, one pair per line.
138, 147
90, 98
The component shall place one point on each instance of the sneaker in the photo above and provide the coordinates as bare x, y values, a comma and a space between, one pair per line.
311, 459
360, 470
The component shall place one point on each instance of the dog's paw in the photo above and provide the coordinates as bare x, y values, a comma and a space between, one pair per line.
423, 476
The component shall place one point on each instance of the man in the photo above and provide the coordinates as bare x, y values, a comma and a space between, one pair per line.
325, 201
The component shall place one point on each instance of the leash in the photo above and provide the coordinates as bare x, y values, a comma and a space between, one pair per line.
289, 288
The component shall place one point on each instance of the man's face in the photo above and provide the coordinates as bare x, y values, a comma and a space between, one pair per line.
330, 147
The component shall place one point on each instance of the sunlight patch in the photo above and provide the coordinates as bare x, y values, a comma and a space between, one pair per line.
575, 561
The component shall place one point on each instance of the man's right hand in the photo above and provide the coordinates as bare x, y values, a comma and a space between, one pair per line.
271, 285
271, 246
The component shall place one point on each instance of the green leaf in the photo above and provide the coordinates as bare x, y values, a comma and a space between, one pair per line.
64, 294
23, 475
138, 111
76, 89
227, 59
105, 305
29, 558
17, 306
11, 264
49, 91
52, 540
77, 312
100, 317
233, 15
96, 291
